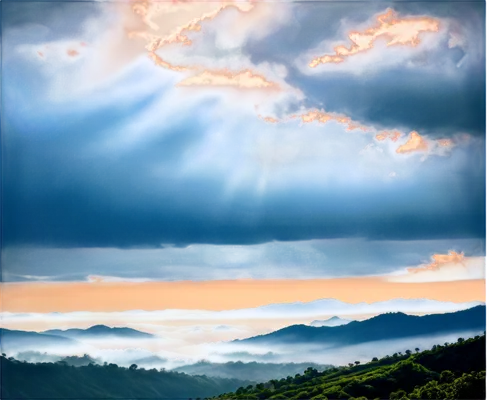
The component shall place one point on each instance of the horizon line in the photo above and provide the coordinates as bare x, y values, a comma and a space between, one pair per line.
210, 312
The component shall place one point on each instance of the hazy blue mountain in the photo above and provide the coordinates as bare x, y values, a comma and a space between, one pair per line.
381, 327
254, 371
332, 306
37, 356
333, 321
13, 340
151, 362
100, 331
160, 362
246, 356
54, 314
222, 328
78, 361
124, 356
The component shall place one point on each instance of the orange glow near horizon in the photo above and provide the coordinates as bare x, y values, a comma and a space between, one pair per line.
245, 79
45, 297
414, 143
439, 260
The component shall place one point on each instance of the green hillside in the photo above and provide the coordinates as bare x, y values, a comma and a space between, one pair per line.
452, 371
22, 380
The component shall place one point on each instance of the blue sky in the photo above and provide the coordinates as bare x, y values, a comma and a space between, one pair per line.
108, 158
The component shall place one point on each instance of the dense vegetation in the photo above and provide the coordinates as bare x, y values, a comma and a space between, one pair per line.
254, 371
455, 371
22, 380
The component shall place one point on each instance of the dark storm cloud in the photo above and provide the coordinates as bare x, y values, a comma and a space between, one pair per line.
296, 259
430, 102
59, 194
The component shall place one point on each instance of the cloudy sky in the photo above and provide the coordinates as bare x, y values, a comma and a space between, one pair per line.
198, 147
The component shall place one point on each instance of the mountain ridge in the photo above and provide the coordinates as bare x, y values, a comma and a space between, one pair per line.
96, 331
384, 326
19, 340
333, 321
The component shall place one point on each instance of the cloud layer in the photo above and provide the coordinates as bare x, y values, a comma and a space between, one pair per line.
159, 124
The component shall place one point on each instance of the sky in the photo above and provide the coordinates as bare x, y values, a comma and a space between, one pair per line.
240, 154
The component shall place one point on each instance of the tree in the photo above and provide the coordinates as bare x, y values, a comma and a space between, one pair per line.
319, 397
351, 365
374, 359
357, 362
133, 367
397, 395
446, 377
461, 340
417, 349
408, 352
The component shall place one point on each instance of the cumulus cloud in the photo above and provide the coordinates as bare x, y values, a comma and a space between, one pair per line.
445, 267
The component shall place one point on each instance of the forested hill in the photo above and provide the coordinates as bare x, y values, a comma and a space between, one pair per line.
254, 371
22, 380
455, 371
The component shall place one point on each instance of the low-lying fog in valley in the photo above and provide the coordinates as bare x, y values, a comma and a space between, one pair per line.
190, 335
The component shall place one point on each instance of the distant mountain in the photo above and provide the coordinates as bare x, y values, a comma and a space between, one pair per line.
332, 306
160, 362
382, 327
124, 356
78, 361
151, 362
37, 356
222, 328
13, 340
334, 321
54, 314
245, 356
100, 331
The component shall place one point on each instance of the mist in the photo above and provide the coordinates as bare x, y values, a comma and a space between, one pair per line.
192, 335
